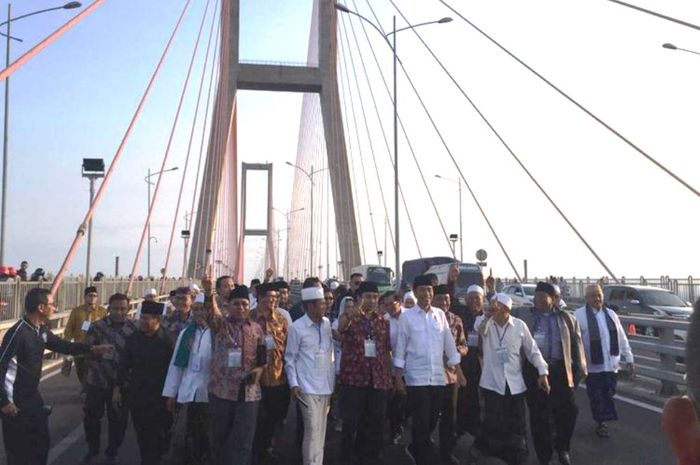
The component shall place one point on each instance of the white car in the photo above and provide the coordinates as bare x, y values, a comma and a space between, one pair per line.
522, 294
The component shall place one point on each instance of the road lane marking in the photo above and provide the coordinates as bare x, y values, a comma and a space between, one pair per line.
643, 405
58, 450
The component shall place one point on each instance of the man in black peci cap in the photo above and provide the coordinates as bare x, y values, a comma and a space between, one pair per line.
140, 378
79, 321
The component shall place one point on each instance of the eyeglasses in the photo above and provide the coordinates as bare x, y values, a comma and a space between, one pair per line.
356, 283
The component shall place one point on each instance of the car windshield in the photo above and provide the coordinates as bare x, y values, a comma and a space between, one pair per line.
467, 278
662, 298
379, 275
529, 290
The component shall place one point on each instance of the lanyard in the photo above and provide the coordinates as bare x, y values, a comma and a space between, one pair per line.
230, 327
201, 336
500, 336
367, 325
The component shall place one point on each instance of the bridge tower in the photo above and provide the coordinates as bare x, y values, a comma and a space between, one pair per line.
318, 79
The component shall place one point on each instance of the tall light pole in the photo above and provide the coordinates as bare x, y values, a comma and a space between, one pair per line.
392, 46
286, 248
461, 231
185, 234
93, 169
148, 181
310, 174
5, 140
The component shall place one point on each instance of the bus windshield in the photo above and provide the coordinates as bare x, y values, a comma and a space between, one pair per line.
379, 275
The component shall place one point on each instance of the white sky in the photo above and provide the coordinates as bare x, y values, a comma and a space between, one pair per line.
608, 57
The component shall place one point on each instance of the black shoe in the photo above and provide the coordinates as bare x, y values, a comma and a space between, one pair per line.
449, 460
602, 431
111, 459
410, 453
89, 459
564, 458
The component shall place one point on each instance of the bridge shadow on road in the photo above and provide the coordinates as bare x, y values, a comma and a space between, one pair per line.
636, 439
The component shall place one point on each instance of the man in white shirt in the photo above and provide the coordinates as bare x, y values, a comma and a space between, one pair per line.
311, 372
505, 338
424, 342
605, 341
186, 389
390, 306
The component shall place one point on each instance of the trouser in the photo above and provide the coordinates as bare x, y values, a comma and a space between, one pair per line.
81, 369
233, 429
396, 411
271, 412
468, 399
315, 418
191, 435
425, 404
97, 400
152, 423
448, 438
26, 437
601, 388
363, 411
503, 432
557, 410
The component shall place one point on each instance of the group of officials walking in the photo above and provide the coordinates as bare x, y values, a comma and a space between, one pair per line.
209, 380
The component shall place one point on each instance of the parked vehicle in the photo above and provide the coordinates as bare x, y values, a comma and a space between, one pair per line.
522, 294
412, 268
469, 273
381, 275
647, 301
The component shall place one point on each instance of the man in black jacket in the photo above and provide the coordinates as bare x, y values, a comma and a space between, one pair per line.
25, 424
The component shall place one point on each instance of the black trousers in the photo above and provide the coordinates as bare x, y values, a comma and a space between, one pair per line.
396, 411
26, 437
468, 397
363, 410
152, 423
271, 411
425, 402
97, 400
448, 437
552, 415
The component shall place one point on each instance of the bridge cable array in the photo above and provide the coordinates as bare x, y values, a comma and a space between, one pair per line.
571, 99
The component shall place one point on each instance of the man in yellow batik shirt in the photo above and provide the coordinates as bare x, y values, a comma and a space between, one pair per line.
79, 321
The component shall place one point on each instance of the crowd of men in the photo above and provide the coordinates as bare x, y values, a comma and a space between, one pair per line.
208, 377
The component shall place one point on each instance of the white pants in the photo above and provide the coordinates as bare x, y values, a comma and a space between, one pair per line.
314, 427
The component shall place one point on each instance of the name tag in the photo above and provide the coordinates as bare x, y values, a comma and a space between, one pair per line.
502, 355
86, 325
540, 339
196, 362
370, 348
322, 360
269, 342
235, 358
472, 339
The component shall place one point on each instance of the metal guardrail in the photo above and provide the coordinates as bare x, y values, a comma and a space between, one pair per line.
661, 356
70, 293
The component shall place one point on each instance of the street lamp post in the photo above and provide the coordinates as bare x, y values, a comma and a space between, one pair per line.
93, 169
392, 46
148, 249
5, 140
673, 47
461, 232
310, 174
286, 249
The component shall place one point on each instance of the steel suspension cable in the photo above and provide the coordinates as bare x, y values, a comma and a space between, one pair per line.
191, 139
166, 155
112, 166
510, 151
659, 15
403, 130
575, 102
369, 138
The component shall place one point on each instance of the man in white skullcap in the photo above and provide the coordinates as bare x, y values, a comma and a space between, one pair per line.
505, 338
311, 372
468, 403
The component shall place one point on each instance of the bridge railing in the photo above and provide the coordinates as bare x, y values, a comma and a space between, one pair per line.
659, 355
70, 293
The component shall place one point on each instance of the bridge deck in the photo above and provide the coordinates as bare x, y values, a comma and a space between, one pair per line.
636, 440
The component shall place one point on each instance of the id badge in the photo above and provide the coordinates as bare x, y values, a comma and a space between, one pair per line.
269, 342
86, 325
196, 362
321, 359
370, 348
540, 339
502, 355
235, 358
473, 339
